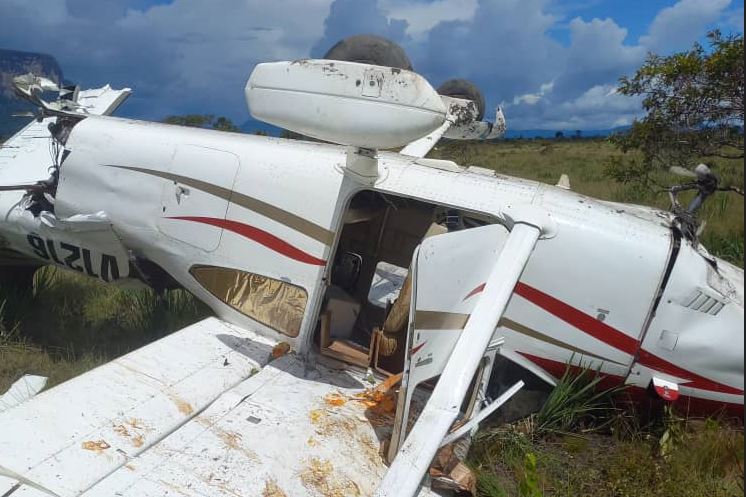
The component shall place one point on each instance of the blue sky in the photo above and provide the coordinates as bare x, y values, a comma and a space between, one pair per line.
551, 64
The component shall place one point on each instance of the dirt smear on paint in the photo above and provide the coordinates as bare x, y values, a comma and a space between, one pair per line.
320, 476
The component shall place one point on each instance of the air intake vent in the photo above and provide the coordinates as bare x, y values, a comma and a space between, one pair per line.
702, 302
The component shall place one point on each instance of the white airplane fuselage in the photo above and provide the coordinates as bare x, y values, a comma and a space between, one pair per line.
615, 288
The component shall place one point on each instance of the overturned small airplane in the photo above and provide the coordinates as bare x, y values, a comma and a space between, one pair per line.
334, 267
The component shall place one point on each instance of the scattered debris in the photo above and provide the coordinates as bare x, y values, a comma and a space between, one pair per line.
280, 350
381, 400
449, 473
335, 399
96, 446
230, 438
321, 477
271, 489
233, 441
183, 406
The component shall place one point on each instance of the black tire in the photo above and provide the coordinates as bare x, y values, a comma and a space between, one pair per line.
461, 88
370, 49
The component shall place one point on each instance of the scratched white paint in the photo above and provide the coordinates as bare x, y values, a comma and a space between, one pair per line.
70, 437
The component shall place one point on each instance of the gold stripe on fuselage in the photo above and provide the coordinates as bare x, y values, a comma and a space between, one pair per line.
281, 216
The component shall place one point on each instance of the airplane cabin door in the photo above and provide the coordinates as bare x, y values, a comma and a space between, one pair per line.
200, 190
447, 270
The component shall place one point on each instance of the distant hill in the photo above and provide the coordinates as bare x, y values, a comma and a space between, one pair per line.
14, 63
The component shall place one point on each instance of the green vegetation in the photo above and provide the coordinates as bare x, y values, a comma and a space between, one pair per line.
590, 162
204, 121
606, 454
68, 324
694, 106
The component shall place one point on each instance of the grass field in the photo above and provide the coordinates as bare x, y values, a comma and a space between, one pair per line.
68, 325
586, 163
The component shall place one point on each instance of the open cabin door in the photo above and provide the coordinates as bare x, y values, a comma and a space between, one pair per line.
448, 272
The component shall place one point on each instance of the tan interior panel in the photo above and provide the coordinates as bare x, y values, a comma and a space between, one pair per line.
274, 303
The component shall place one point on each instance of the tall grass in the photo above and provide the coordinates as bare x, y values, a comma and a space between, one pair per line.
587, 163
577, 403
66, 323
565, 451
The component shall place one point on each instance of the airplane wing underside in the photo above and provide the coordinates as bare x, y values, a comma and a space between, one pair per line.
202, 412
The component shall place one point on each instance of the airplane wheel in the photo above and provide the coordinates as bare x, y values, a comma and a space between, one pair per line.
370, 49
461, 88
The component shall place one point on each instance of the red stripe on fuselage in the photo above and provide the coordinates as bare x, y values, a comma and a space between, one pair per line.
580, 320
477, 290
417, 349
693, 406
260, 236
613, 337
693, 380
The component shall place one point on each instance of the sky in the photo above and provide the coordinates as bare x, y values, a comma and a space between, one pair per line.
551, 64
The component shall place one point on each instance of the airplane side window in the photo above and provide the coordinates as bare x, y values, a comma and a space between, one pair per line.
274, 303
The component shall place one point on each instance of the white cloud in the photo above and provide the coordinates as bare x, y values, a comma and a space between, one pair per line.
195, 56
599, 107
505, 49
181, 56
534, 98
598, 54
423, 16
676, 27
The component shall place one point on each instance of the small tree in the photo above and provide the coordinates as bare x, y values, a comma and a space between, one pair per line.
559, 135
694, 105
204, 121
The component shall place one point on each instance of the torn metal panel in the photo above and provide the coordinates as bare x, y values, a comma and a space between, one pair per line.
86, 244
101, 101
21, 391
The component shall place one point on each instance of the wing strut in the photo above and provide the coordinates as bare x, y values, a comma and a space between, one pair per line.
406, 472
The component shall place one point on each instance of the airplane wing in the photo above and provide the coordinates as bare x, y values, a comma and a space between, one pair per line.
205, 411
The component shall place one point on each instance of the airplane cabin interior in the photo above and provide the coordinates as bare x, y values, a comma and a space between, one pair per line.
365, 314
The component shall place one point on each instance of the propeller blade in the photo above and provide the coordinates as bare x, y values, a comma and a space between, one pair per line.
681, 171
23, 114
